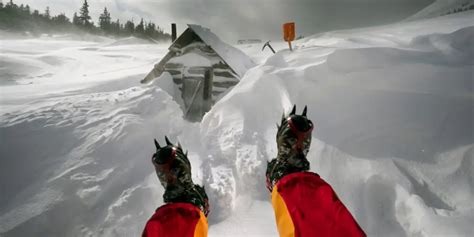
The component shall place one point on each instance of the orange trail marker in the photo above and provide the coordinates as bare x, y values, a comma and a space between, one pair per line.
289, 33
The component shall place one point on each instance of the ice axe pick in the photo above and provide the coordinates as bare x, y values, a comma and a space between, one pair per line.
269, 46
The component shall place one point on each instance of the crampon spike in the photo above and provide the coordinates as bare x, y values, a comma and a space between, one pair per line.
293, 111
157, 145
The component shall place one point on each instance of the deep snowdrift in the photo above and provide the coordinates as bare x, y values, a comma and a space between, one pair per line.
400, 102
392, 105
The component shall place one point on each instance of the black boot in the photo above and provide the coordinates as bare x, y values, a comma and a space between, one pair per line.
174, 172
293, 141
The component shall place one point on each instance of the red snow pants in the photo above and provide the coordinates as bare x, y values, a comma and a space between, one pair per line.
304, 205
176, 220
307, 206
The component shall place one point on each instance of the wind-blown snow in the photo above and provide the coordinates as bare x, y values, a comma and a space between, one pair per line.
392, 105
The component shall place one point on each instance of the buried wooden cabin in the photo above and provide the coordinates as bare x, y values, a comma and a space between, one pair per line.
203, 68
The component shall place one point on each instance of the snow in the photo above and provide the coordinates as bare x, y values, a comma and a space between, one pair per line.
256, 53
192, 60
56, 63
392, 105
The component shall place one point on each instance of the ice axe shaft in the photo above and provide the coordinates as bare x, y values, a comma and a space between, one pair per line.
269, 46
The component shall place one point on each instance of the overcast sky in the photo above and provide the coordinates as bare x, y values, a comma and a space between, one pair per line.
240, 19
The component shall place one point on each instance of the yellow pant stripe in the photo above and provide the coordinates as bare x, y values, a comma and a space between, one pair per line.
201, 226
284, 222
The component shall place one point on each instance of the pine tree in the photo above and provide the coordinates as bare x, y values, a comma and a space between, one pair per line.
140, 29
11, 5
150, 30
104, 21
76, 20
129, 28
47, 14
84, 14
35, 14
61, 19
117, 27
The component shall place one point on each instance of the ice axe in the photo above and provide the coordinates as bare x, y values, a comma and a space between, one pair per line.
269, 46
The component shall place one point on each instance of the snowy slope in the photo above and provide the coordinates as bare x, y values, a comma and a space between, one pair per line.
392, 105
443, 7
54, 64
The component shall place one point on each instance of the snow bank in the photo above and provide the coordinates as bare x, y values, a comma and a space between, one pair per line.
390, 112
129, 41
255, 52
78, 152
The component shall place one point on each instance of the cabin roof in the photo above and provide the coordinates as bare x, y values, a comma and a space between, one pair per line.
236, 59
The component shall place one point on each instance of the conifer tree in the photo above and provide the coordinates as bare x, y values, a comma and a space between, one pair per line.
47, 14
35, 14
117, 28
84, 14
11, 5
104, 21
140, 29
150, 30
76, 20
129, 28
61, 19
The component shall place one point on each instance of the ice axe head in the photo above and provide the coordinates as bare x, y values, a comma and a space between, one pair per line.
267, 44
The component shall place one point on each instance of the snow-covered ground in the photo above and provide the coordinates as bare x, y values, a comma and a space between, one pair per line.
393, 108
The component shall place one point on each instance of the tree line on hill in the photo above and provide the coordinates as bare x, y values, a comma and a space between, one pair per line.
21, 18
464, 7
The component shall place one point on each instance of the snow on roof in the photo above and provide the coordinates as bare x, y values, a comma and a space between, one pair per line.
236, 59
192, 60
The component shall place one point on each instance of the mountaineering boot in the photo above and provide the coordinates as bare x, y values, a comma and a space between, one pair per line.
293, 142
174, 172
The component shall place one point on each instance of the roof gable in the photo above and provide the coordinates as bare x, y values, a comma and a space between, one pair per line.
236, 59
187, 37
